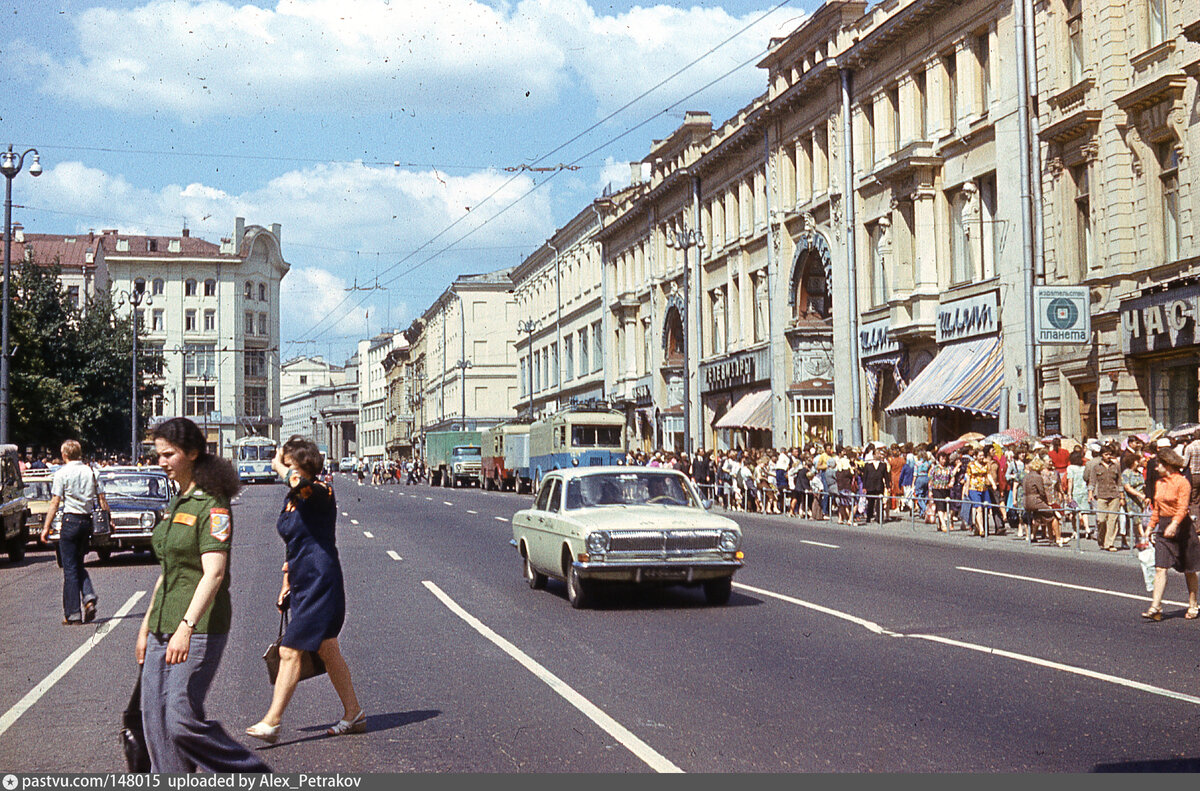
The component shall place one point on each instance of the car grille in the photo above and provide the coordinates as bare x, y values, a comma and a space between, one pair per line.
130, 522
664, 541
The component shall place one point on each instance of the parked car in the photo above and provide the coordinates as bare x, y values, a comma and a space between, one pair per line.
14, 510
593, 525
137, 498
37, 497
347, 464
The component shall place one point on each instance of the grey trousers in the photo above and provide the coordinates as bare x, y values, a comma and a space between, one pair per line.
178, 736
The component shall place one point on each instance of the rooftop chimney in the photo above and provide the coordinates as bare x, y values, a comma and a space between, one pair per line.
186, 232
275, 230
239, 230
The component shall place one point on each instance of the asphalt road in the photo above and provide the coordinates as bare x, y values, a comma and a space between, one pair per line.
842, 649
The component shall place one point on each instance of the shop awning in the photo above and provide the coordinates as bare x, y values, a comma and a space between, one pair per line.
752, 410
964, 377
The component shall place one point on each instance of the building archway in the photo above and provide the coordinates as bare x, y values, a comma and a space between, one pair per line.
810, 295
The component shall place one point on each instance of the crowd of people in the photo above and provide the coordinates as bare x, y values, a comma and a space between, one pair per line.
1053, 490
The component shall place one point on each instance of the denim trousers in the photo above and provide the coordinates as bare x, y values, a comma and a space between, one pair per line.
178, 736
72, 547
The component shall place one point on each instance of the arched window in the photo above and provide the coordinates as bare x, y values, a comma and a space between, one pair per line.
810, 296
262, 292
248, 290
189, 287
674, 337
210, 288
156, 287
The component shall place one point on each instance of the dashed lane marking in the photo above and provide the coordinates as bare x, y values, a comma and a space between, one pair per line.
353, 521
345, 514
393, 555
631, 742
469, 511
444, 502
368, 534
43, 686
429, 498
1056, 584
819, 544
501, 519
985, 649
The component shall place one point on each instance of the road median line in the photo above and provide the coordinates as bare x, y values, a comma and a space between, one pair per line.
627, 738
1072, 586
64, 667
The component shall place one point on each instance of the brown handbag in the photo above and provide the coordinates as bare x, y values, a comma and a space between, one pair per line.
311, 663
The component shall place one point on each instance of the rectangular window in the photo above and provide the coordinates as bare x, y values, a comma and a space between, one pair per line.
1173, 392
255, 402
524, 362
717, 336
597, 347
210, 320
583, 351
734, 312
73, 295
983, 59
1083, 223
568, 358
868, 136
960, 253
989, 237
1158, 28
158, 321
1074, 41
256, 364
951, 92
199, 401
893, 98
555, 370
922, 104
249, 323
210, 288
876, 265
759, 284
262, 324
821, 168
199, 360
189, 321
1168, 158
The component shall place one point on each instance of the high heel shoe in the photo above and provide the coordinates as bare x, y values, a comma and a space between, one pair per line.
1153, 614
356, 725
261, 730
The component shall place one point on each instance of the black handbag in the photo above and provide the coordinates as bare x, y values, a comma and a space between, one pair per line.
311, 663
133, 738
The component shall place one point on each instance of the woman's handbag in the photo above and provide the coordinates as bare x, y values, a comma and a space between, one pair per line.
311, 663
133, 738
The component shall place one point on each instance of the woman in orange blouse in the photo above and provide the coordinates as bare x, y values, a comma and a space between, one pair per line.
1175, 542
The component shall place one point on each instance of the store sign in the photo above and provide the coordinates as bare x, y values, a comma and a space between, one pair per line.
1052, 421
875, 339
1108, 419
966, 318
734, 371
1062, 314
1160, 322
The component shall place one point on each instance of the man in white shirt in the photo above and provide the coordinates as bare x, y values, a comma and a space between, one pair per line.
74, 488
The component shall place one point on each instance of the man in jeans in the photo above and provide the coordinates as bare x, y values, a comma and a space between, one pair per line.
1104, 487
74, 488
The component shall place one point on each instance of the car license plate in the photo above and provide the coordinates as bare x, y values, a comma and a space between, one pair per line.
664, 574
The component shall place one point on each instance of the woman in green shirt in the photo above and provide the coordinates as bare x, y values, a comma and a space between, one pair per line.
187, 624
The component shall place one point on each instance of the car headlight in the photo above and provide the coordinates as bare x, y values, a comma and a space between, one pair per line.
729, 540
147, 520
597, 543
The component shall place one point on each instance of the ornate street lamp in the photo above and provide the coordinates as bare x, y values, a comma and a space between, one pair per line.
10, 166
683, 238
135, 298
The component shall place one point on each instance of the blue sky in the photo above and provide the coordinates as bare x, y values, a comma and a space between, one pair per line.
151, 113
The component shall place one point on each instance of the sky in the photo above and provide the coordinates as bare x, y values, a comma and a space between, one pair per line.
391, 139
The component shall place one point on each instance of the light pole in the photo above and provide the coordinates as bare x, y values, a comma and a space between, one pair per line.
529, 326
10, 166
463, 363
683, 238
135, 297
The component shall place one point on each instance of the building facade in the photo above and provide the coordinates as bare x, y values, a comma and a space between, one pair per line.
213, 316
304, 373
79, 258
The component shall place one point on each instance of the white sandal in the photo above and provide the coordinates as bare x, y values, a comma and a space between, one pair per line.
356, 725
261, 730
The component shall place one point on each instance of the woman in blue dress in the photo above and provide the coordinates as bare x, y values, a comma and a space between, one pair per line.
312, 588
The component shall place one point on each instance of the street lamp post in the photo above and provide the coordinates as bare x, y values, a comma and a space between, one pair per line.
135, 297
10, 166
683, 238
529, 326
463, 363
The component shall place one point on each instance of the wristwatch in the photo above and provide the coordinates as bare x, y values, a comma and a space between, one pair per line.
190, 624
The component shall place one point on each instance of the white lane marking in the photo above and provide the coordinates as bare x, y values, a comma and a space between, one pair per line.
368, 534
353, 521
501, 519
819, 544
428, 498
1055, 584
35, 694
345, 514
610, 726
1033, 660
447, 503
469, 511
392, 554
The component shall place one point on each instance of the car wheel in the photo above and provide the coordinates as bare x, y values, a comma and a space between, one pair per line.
717, 592
535, 578
104, 554
579, 592
16, 546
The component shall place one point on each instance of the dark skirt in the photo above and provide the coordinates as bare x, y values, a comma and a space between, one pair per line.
939, 499
1182, 552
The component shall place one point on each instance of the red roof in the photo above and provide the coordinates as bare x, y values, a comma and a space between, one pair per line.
45, 248
71, 249
189, 246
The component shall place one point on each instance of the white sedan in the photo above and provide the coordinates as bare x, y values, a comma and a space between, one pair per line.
591, 525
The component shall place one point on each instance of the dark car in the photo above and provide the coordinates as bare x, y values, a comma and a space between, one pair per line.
137, 499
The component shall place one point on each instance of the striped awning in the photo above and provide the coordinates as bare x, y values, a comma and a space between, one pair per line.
964, 377
752, 410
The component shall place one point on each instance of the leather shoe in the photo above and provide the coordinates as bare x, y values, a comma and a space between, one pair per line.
89, 611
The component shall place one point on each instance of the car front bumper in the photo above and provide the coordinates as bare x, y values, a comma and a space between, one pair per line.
123, 539
648, 571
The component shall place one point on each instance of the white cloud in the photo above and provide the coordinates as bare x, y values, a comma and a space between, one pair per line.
613, 176
308, 295
209, 57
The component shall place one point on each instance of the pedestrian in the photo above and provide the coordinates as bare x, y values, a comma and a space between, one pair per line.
1075, 488
978, 487
875, 474
312, 587
186, 626
940, 478
1133, 482
73, 489
1105, 488
1175, 543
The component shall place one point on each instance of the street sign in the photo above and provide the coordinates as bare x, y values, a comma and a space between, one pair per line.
1062, 314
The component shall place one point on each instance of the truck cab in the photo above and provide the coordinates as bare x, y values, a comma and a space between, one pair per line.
464, 464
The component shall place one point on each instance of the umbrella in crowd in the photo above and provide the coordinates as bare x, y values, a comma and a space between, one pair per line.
1001, 439
1018, 434
952, 446
1183, 430
971, 436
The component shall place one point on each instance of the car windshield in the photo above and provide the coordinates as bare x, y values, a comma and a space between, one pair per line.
37, 490
256, 453
467, 452
586, 436
134, 486
630, 488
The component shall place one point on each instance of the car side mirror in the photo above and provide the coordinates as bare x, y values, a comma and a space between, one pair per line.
708, 504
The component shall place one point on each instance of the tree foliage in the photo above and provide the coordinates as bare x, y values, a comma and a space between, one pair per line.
70, 372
